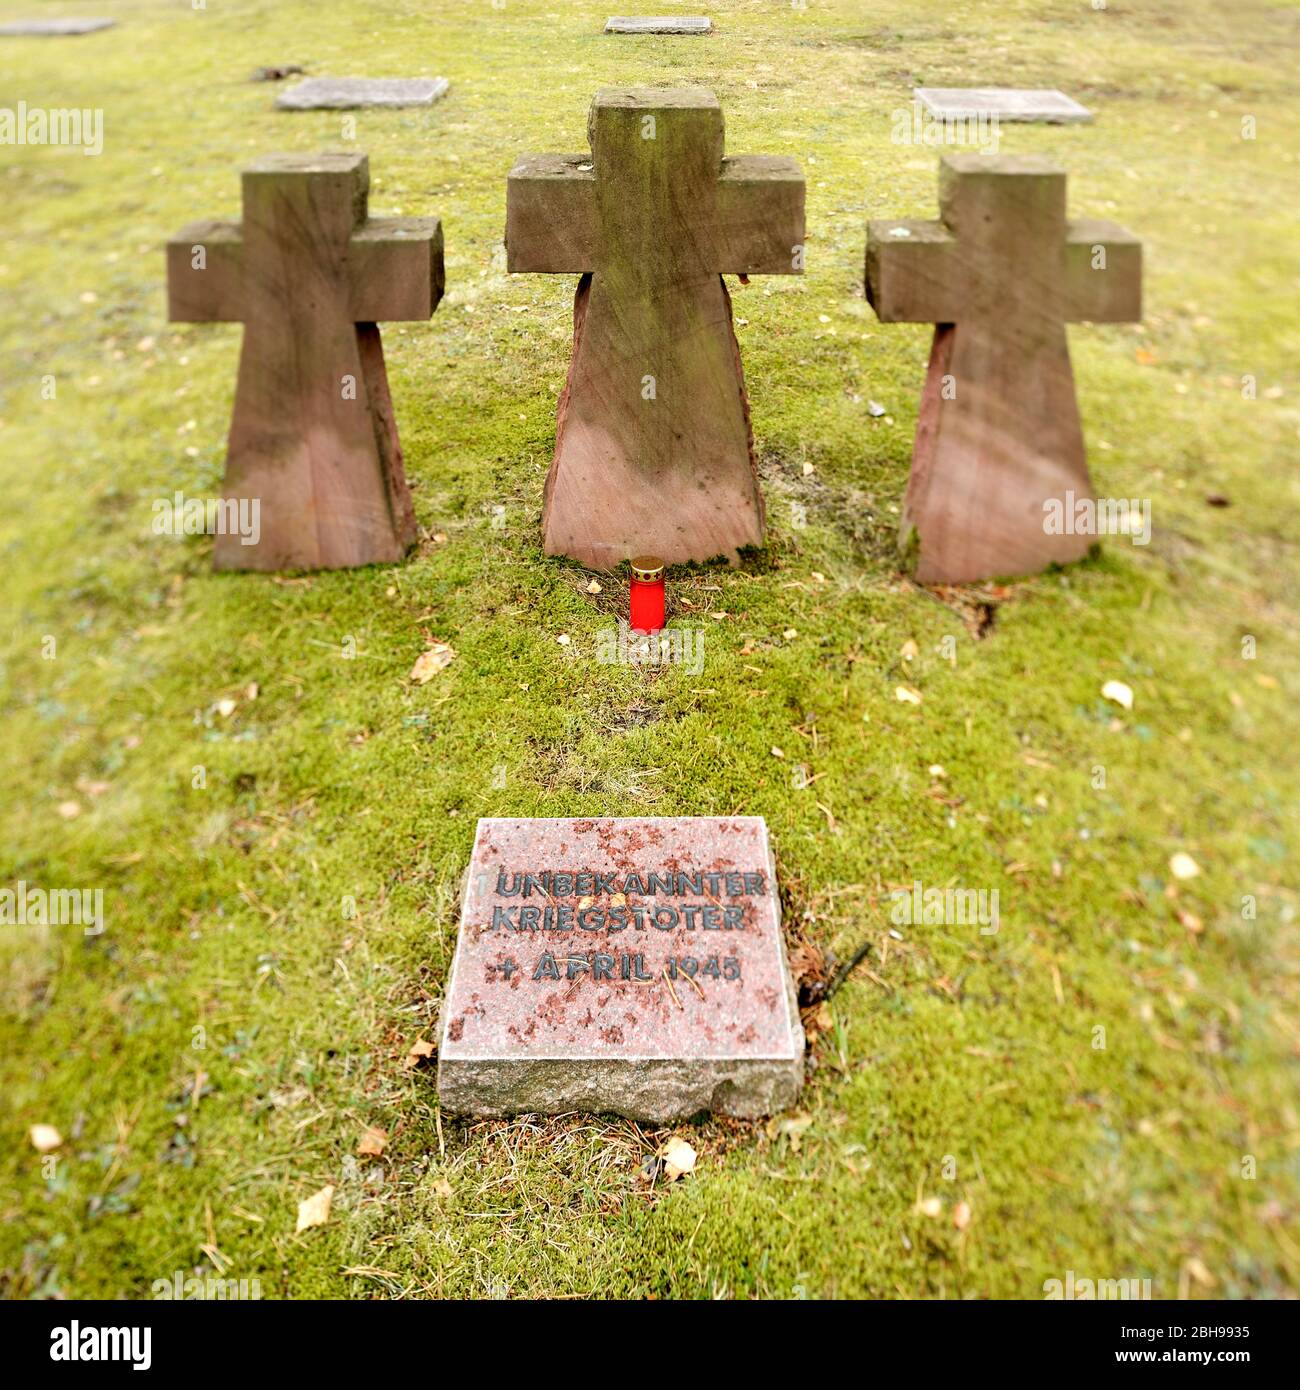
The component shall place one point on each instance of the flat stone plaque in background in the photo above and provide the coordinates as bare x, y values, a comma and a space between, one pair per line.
350, 93
53, 28
630, 966
1006, 103
658, 24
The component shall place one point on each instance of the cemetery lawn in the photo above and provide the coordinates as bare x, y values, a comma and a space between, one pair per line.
1106, 1085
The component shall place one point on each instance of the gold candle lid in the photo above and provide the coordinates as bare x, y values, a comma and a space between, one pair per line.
647, 567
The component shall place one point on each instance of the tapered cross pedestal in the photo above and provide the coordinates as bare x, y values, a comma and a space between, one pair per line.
653, 450
998, 435
313, 438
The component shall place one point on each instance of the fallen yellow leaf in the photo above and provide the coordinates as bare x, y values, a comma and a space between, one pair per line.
1118, 693
428, 664
1183, 866
679, 1159
315, 1210
373, 1142
44, 1138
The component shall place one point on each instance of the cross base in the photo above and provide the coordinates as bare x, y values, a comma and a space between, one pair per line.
671, 473
327, 471
997, 436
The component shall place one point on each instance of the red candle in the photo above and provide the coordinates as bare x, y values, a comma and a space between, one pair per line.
647, 594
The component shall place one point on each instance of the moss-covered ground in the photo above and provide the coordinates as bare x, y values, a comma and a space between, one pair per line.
212, 1057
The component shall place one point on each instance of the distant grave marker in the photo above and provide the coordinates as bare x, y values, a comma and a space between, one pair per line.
353, 93
53, 28
633, 966
1020, 104
658, 24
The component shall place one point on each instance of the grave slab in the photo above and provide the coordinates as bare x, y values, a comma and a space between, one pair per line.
53, 28
353, 93
1023, 104
658, 24
632, 966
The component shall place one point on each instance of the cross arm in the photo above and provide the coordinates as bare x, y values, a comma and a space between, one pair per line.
395, 268
551, 220
1103, 273
912, 271
205, 273
761, 215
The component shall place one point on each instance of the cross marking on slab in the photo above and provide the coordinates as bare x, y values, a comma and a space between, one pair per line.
653, 451
998, 435
312, 436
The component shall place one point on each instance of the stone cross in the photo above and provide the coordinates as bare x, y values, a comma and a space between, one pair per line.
313, 438
654, 452
998, 434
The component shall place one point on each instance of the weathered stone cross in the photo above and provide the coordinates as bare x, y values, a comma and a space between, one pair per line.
313, 437
653, 449
998, 434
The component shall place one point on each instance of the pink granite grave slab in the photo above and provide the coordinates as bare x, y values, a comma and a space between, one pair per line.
634, 966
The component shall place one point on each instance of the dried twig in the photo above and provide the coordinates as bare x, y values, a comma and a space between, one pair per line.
847, 969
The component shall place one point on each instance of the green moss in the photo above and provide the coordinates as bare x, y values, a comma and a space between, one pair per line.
959, 1054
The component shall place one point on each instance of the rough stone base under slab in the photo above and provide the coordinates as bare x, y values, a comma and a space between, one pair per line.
655, 1091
